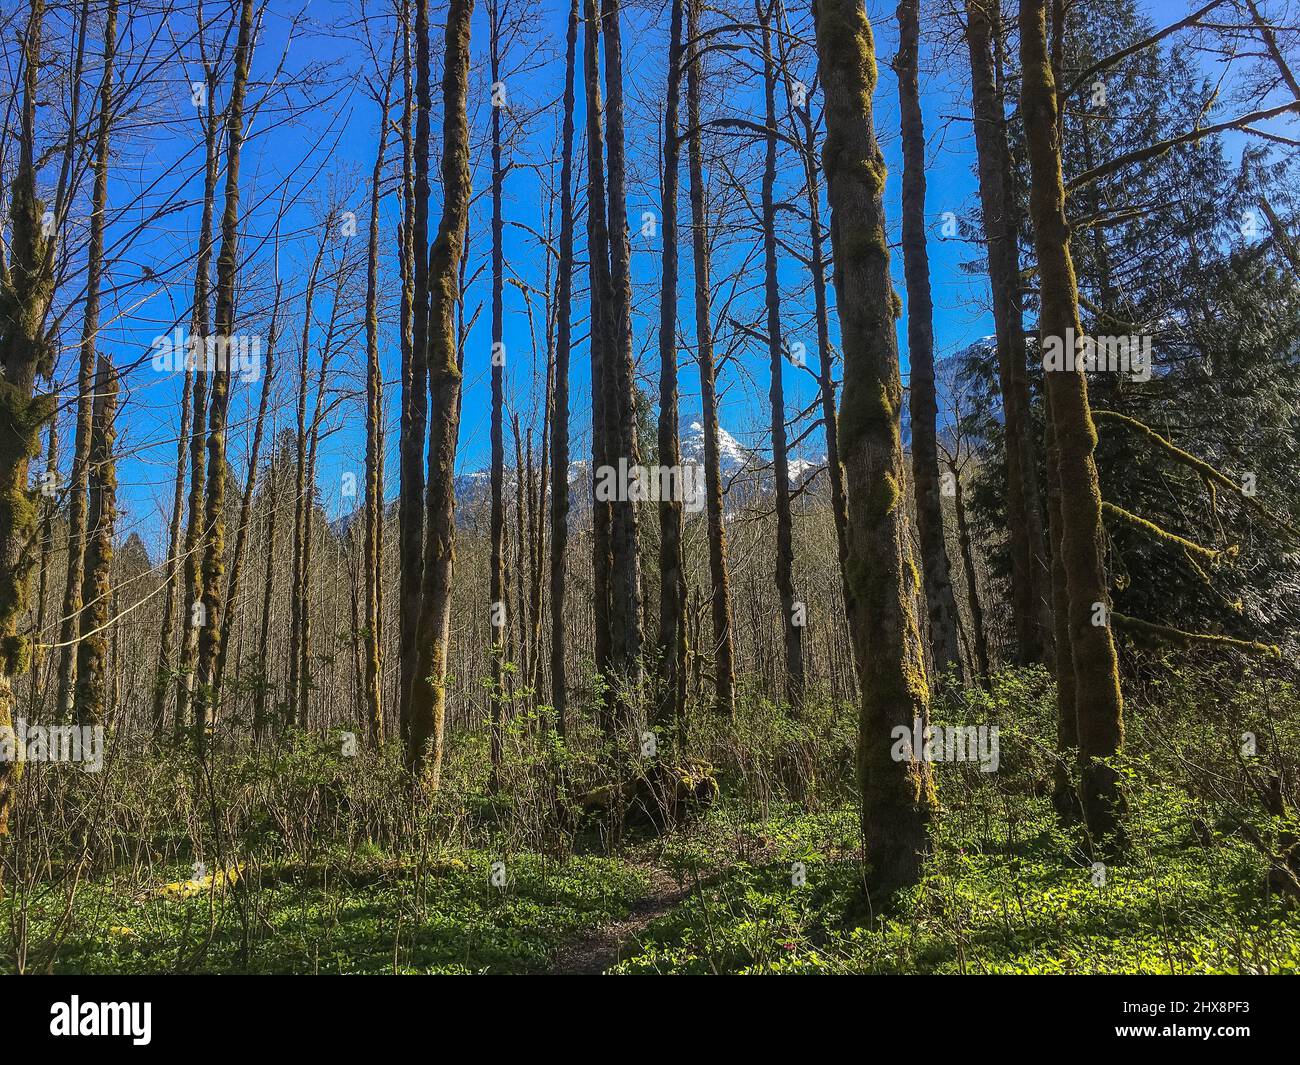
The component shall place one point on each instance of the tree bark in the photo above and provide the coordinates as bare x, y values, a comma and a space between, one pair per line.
1030, 590
429, 695
601, 344
70, 619
625, 575
560, 403
96, 585
415, 398
498, 621
671, 712
898, 800
214, 510
374, 501
923, 402
1098, 703
199, 328
27, 286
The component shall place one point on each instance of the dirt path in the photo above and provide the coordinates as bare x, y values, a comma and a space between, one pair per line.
591, 953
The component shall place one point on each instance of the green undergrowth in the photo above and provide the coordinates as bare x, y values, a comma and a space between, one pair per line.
335, 870
1024, 903
364, 915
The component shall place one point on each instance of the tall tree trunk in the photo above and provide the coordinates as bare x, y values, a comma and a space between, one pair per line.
601, 355
374, 501
1098, 704
191, 616
723, 646
923, 403
791, 612
560, 403
672, 569
96, 587
1030, 589
1064, 795
498, 620
214, 509
429, 696
70, 621
898, 801
415, 397
625, 576
27, 287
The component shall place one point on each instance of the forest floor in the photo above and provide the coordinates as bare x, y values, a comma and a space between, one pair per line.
766, 879
740, 891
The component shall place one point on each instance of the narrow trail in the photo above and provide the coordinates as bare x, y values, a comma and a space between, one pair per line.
591, 953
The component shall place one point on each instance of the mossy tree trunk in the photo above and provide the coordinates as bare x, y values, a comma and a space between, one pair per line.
70, 618
429, 695
224, 325
671, 704
923, 403
1064, 796
724, 668
96, 585
191, 618
26, 290
415, 379
898, 801
1030, 576
1098, 703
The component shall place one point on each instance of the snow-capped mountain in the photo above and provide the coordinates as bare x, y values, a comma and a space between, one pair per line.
746, 476
733, 457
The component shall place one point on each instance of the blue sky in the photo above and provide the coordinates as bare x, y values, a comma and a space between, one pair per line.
331, 145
